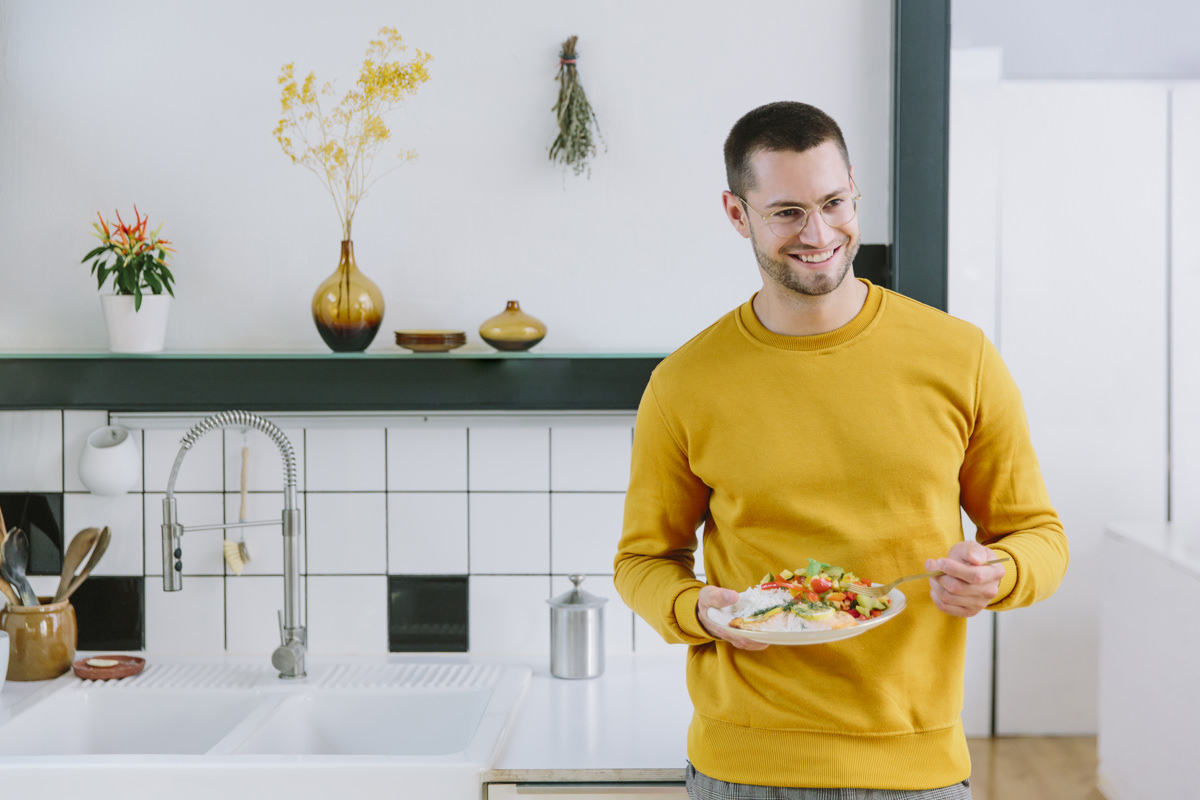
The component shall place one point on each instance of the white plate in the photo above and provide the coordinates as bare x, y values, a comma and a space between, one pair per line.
721, 617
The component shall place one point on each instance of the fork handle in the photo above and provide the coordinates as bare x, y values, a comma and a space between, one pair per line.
939, 572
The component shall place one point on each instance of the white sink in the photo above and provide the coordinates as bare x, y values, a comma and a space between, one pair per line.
94, 722
409, 729
371, 723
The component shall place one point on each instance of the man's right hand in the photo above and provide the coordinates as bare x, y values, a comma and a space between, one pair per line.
716, 597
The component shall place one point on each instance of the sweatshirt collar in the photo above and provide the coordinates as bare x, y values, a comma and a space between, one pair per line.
748, 322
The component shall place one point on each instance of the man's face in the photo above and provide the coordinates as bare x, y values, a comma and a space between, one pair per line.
817, 260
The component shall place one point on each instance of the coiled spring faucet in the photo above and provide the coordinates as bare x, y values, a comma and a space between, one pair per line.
288, 658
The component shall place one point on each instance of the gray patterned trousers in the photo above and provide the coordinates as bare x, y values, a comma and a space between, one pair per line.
702, 787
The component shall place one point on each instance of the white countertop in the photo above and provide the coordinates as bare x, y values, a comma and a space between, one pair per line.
629, 724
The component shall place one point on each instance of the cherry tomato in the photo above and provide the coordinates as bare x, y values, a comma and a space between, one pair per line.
820, 585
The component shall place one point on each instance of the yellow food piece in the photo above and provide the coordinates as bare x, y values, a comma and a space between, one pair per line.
812, 614
102, 662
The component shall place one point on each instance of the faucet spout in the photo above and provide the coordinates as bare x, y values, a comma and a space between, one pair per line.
289, 656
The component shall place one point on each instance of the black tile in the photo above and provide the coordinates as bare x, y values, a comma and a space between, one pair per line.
427, 613
111, 612
873, 262
40, 515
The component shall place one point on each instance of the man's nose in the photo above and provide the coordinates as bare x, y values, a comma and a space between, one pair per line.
817, 231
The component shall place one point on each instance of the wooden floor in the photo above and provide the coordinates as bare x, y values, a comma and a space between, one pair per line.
1034, 768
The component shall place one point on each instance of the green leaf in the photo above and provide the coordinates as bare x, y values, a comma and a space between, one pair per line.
93, 254
154, 282
137, 300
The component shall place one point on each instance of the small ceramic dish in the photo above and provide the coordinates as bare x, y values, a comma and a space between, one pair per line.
107, 668
430, 341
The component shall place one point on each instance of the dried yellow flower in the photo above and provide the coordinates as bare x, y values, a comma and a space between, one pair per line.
340, 147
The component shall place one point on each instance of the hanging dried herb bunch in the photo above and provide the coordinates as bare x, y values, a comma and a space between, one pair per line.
576, 119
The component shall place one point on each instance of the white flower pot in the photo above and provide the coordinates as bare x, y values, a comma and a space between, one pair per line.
143, 331
110, 464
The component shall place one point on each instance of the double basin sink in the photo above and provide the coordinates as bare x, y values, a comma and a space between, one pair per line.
390, 724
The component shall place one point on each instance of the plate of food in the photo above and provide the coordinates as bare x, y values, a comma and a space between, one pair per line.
807, 606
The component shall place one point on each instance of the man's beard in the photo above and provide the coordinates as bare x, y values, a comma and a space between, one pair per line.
810, 284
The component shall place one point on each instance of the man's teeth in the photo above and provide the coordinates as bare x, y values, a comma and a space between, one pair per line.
814, 258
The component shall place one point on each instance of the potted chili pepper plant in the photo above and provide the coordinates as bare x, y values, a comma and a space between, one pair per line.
134, 260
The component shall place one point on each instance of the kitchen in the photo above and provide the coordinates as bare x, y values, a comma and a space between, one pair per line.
244, 221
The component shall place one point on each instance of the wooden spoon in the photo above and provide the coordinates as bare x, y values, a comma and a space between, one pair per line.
76, 552
97, 553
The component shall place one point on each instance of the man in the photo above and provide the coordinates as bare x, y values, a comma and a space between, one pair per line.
828, 418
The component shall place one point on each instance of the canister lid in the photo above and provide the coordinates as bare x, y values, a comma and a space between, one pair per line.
576, 597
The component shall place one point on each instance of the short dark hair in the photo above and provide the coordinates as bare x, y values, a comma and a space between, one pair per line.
785, 125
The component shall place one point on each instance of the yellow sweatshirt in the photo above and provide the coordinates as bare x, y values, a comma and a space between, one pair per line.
856, 448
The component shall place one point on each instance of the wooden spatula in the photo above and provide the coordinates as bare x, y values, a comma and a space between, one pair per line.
97, 553
83, 543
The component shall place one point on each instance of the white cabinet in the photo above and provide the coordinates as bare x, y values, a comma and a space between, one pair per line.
1059, 250
584, 791
1148, 691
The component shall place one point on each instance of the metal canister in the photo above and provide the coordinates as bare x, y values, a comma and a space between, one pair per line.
576, 633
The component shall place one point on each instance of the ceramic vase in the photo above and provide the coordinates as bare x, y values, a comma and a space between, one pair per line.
142, 330
347, 307
512, 329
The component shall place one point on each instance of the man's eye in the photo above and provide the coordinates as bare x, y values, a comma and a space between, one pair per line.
834, 203
787, 213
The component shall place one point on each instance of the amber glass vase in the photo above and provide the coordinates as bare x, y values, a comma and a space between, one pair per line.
347, 307
512, 329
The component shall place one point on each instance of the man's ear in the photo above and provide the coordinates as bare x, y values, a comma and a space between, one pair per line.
736, 213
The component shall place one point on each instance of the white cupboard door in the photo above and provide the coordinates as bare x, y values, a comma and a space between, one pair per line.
584, 791
1082, 325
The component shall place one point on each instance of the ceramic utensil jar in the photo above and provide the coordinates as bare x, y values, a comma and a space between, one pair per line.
41, 639
576, 633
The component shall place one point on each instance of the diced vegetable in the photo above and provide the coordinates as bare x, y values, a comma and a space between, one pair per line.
821, 585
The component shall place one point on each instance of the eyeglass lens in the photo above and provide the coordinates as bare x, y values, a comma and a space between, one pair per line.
836, 213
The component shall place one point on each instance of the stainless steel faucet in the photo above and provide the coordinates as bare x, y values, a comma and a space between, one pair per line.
288, 658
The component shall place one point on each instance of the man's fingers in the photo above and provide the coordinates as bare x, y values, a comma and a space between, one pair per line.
716, 597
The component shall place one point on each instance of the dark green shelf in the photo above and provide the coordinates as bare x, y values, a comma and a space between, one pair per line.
325, 381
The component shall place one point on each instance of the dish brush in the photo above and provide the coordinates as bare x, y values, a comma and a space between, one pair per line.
237, 554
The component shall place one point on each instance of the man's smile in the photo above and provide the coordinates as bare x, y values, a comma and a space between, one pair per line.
815, 256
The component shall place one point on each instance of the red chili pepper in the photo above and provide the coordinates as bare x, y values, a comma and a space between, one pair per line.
770, 585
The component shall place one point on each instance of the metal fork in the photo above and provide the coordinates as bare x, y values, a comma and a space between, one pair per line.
880, 591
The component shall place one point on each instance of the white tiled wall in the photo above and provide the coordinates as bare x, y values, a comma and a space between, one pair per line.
515, 503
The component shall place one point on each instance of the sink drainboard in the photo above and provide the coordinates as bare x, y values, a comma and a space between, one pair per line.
426, 677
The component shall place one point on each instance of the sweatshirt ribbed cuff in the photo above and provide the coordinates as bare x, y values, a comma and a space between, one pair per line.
685, 616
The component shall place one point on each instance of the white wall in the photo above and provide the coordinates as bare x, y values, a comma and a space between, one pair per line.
1062, 247
171, 106
1110, 39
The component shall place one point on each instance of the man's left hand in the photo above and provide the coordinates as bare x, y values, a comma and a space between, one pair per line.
968, 585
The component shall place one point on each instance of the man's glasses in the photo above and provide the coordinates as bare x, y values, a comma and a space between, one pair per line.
789, 221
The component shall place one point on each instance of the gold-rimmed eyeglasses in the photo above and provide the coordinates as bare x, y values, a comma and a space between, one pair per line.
789, 221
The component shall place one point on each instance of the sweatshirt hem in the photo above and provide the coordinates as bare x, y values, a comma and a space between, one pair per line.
912, 761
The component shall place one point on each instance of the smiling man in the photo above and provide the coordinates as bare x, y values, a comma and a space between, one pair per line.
830, 419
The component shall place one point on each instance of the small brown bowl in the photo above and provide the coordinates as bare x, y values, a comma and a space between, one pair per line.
126, 667
430, 341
